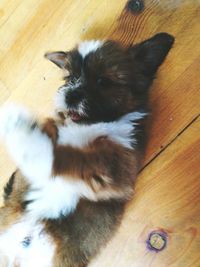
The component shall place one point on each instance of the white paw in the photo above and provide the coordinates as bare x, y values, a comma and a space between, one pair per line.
53, 199
39, 203
13, 119
45, 206
30, 148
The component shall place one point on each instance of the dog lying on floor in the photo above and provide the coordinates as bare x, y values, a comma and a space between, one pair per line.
77, 171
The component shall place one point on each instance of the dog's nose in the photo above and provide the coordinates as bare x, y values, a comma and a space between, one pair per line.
74, 96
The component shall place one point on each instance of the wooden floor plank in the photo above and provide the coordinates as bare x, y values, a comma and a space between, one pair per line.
5, 93
167, 198
173, 108
15, 15
51, 26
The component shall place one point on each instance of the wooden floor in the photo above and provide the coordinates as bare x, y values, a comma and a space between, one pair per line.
167, 197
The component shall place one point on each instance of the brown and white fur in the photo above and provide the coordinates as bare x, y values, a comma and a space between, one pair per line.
76, 173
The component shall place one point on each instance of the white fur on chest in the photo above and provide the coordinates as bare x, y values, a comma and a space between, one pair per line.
39, 253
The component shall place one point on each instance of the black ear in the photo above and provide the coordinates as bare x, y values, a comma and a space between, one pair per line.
60, 58
149, 55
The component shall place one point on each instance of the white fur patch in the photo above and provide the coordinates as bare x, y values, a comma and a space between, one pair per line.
121, 131
81, 109
39, 253
87, 47
31, 149
13, 116
59, 196
59, 99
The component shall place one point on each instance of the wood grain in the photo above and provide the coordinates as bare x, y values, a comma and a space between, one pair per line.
167, 198
167, 193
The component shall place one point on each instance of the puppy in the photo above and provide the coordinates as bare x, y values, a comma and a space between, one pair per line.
77, 171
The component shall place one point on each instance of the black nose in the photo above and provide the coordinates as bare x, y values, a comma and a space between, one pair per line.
74, 96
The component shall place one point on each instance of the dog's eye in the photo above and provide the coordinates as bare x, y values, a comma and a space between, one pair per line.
103, 81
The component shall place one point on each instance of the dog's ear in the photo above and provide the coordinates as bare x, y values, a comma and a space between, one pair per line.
59, 58
148, 55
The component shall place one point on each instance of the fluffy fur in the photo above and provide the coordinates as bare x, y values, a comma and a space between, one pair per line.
42, 159
77, 171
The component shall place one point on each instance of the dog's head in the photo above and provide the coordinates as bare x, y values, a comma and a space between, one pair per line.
104, 80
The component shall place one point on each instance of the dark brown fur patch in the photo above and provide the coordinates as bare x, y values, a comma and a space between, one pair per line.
17, 192
80, 235
114, 79
102, 158
9, 186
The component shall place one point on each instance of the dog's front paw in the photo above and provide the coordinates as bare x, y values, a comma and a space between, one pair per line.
51, 200
14, 118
